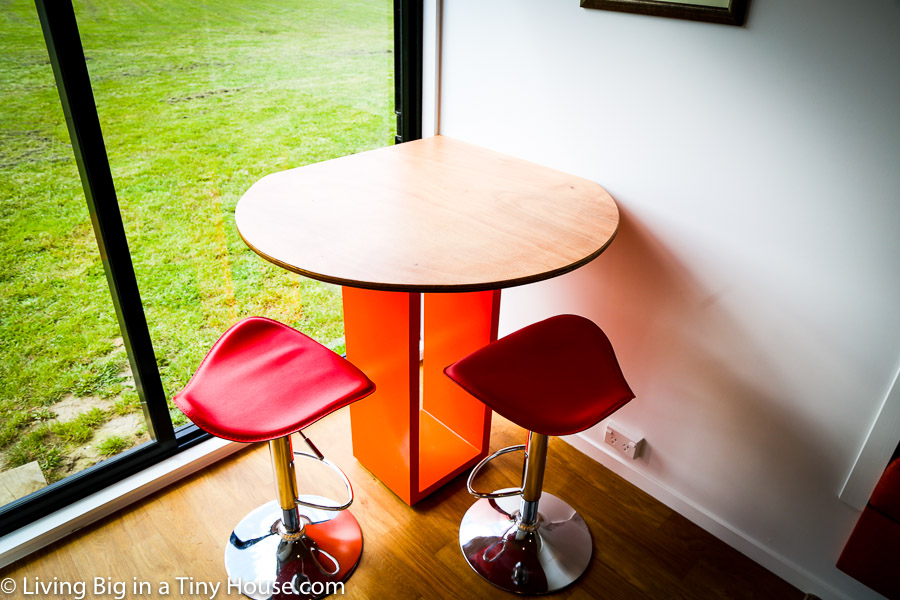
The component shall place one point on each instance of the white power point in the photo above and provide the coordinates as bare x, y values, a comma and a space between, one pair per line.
624, 444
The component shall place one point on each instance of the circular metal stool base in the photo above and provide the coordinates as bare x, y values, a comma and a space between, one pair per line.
540, 561
263, 564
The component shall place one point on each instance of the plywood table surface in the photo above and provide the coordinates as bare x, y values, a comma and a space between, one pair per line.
432, 215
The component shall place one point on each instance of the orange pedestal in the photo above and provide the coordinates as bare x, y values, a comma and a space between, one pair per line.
418, 429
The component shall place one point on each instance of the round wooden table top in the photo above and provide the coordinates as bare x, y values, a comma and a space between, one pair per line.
432, 215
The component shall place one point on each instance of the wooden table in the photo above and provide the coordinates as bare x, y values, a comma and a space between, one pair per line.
422, 236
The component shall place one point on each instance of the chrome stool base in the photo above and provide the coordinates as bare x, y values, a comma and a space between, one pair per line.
526, 560
264, 562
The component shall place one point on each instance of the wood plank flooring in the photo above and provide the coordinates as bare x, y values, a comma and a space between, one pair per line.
642, 549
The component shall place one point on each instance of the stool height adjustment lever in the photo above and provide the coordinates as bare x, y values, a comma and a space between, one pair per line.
312, 446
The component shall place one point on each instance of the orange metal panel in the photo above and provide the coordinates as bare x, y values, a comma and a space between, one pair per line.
382, 337
442, 454
455, 325
414, 445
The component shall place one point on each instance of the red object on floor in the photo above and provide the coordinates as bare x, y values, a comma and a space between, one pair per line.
263, 363
872, 554
557, 377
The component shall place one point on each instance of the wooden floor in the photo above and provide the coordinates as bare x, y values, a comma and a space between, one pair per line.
641, 548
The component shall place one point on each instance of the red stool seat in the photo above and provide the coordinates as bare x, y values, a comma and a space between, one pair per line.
264, 380
556, 377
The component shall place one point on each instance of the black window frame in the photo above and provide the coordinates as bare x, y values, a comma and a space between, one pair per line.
67, 59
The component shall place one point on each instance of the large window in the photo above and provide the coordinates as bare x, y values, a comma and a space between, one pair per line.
195, 102
65, 385
195, 106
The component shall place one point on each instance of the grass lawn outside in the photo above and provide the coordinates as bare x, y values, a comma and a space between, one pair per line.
197, 101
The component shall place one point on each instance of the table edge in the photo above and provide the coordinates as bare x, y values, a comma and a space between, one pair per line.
435, 288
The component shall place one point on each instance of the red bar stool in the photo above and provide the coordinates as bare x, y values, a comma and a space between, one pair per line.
263, 381
556, 377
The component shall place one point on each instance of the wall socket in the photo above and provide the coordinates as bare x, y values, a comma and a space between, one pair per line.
624, 444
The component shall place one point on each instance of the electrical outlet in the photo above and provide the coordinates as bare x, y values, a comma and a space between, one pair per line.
624, 444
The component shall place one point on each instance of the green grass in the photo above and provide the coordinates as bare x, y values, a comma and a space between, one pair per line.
196, 102
113, 445
80, 429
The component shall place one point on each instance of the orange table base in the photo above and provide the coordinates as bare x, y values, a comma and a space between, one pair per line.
419, 429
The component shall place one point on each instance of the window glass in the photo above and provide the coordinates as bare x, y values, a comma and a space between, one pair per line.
67, 398
198, 100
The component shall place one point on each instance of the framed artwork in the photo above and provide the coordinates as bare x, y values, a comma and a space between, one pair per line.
727, 12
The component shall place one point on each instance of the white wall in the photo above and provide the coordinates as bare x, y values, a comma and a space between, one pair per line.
752, 293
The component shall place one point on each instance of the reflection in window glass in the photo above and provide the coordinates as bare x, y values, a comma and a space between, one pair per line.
67, 398
198, 100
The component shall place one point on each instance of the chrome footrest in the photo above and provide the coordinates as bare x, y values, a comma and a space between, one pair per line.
319, 457
495, 494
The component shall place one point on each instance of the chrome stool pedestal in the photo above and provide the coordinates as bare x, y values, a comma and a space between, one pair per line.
540, 561
263, 564
521, 540
280, 551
